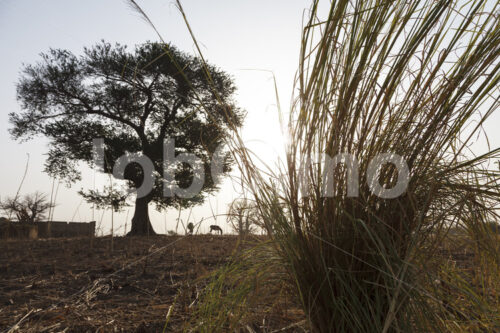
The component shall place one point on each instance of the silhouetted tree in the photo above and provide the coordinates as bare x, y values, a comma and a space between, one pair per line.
242, 217
30, 209
190, 228
134, 100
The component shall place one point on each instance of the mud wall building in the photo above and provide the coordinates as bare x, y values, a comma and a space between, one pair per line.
46, 229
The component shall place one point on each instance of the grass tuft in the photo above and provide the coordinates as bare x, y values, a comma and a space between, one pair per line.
415, 80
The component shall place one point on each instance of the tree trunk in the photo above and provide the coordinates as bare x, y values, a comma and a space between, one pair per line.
141, 225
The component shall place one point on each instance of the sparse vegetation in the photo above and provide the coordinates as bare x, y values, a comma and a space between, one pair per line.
242, 217
29, 209
71, 285
411, 82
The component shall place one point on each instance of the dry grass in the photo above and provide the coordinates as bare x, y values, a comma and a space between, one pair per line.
416, 80
79, 285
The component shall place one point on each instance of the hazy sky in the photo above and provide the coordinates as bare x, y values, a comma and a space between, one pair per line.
239, 36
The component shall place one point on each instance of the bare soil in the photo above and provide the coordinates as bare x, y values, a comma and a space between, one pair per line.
80, 285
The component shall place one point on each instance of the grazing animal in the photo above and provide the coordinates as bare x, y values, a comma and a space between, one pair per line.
215, 228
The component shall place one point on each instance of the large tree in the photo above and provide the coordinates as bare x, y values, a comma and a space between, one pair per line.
134, 100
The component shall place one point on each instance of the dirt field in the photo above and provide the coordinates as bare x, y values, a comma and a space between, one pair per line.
78, 285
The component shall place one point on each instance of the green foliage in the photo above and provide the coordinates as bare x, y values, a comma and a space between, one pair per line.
110, 198
249, 283
134, 100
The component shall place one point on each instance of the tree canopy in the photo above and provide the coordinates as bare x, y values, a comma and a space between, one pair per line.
134, 100
29, 209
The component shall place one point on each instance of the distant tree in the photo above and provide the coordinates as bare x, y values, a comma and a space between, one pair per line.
242, 217
190, 228
134, 100
29, 209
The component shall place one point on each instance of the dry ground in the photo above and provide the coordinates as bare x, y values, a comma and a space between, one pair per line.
79, 285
